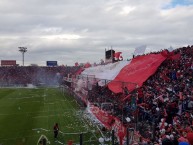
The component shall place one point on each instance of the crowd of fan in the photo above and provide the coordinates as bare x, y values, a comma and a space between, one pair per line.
21, 76
163, 107
166, 99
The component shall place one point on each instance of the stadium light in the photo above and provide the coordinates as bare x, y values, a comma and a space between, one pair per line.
23, 50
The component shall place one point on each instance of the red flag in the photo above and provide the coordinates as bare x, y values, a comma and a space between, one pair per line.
170, 55
87, 65
117, 55
165, 53
176, 57
121, 136
76, 64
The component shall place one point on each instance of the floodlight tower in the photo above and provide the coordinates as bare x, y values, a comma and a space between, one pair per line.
23, 50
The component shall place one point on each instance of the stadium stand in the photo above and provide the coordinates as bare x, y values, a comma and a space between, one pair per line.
21, 76
163, 106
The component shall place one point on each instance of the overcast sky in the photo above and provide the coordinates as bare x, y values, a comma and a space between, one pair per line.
70, 31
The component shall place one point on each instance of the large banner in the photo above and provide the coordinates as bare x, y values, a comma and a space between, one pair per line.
105, 118
137, 72
8, 62
109, 121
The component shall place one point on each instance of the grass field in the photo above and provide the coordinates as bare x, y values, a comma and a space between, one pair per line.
26, 114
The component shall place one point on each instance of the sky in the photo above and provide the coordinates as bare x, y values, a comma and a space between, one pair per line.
70, 31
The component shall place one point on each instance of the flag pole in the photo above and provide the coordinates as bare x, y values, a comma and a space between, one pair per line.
105, 55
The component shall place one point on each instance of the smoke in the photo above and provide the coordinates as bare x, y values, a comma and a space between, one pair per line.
46, 77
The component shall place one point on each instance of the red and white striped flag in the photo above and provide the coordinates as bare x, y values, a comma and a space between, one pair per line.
140, 50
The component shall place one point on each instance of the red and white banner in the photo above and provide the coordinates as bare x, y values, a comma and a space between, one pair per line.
137, 72
8, 62
117, 56
109, 121
105, 118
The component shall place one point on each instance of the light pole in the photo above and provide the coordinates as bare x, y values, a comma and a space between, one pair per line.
23, 50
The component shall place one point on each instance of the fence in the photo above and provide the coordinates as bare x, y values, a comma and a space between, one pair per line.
87, 88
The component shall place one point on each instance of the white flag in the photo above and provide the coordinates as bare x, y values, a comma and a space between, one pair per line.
140, 50
170, 49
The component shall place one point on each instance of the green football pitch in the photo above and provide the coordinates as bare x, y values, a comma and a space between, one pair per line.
26, 114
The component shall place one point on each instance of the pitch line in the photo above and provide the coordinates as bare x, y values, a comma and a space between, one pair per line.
27, 97
35, 129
